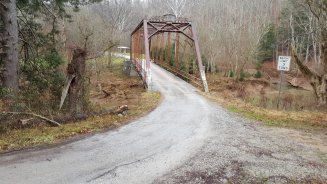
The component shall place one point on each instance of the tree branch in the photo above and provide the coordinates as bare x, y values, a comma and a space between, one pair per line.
311, 9
25, 22
49, 121
45, 6
304, 69
4, 6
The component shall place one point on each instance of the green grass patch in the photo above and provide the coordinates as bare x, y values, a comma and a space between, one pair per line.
118, 60
268, 121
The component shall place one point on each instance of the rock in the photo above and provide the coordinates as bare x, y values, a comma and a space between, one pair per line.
119, 110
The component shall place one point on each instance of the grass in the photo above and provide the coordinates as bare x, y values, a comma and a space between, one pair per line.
301, 115
302, 120
139, 101
44, 135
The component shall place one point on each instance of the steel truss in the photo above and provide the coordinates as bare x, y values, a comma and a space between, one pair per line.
145, 33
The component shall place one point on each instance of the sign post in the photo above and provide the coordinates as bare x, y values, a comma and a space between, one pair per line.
284, 63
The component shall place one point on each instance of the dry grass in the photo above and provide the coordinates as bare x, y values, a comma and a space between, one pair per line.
304, 120
226, 93
22, 138
127, 91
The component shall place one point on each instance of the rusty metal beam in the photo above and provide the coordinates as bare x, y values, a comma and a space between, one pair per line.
172, 27
146, 43
177, 52
152, 25
150, 49
162, 48
132, 47
155, 45
138, 27
159, 47
147, 54
168, 51
157, 32
199, 59
138, 45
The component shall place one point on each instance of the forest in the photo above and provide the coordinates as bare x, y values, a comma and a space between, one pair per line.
42, 40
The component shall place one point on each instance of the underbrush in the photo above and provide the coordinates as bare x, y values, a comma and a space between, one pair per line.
263, 93
259, 99
107, 88
45, 135
40, 85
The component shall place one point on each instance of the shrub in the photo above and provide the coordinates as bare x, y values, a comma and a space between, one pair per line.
258, 74
42, 80
243, 75
241, 92
230, 73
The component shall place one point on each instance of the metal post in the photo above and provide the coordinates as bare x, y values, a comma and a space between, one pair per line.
150, 49
132, 47
158, 50
147, 54
280, 88
199, 59
155, 48
168, 50
177, 52
137, 49
162, 48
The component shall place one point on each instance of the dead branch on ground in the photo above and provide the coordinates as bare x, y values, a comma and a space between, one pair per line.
49, 121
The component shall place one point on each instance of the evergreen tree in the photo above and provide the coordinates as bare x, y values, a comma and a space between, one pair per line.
267, 45
26, 49
28, 11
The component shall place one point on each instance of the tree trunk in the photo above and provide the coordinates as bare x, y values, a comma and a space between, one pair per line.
109, 58
318, 82
76, 92
323, 54
9, 34
323, 59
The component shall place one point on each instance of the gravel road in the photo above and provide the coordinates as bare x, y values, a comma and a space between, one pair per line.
187, 139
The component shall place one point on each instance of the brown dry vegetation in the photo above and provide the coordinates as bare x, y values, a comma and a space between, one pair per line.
124, 90
257, 99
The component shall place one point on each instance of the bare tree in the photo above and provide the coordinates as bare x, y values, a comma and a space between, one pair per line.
230, 31
108, 24
179, 8
176, 6
318, 8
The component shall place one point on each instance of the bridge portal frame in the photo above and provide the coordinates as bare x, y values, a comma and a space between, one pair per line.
146, 30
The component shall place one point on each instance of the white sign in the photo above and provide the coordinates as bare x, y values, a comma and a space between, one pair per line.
284, 63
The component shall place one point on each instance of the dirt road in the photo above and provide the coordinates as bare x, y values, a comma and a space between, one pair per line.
187, 139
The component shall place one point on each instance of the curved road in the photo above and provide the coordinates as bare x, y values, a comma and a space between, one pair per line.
187, 139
